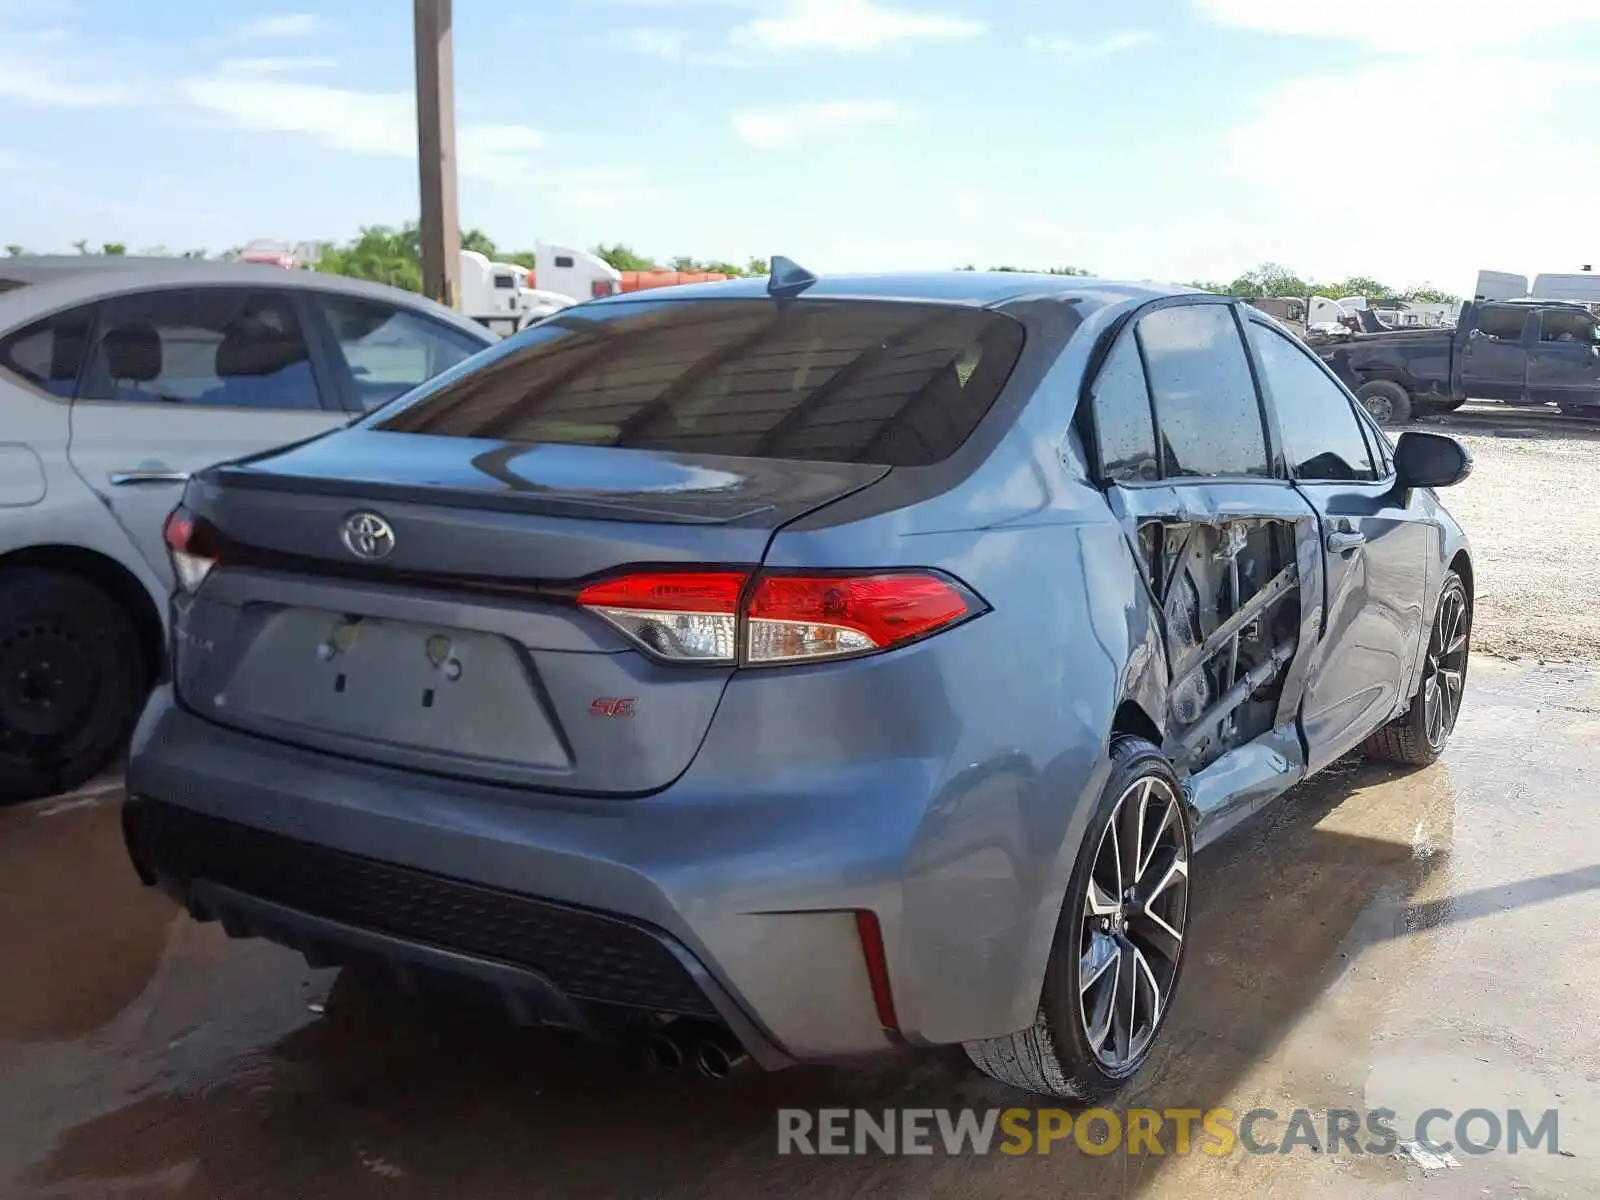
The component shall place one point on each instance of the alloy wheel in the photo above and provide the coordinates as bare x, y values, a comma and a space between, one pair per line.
1445, 671
1135, 915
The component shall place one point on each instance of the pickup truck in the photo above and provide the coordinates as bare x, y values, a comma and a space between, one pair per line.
1516, 351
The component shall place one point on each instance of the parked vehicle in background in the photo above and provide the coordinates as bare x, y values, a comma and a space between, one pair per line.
1581, 287
1500, 285
119, 378
807, 668
1515, 351
497, 295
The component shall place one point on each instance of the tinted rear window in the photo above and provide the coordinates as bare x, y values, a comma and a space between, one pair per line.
824, 380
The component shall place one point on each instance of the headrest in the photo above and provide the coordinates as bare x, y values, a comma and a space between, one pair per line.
252, 348
133, 352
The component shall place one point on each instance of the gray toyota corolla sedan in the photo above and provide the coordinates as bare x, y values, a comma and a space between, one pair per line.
800, 668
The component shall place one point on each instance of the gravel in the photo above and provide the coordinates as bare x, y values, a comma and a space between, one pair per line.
1533, 545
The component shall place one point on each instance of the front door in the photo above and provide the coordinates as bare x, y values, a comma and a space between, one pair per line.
1493, 354
1564, 365
1374, 548
180, 379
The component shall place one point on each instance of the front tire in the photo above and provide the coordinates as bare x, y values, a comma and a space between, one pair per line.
1419, 737
1119, 945
72, 677
1387, 401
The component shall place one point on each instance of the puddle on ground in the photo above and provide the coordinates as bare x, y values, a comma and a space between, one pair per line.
1379, 938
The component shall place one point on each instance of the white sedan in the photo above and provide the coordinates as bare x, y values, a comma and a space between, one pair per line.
118, 378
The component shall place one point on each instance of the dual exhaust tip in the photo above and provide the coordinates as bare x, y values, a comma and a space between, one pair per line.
683, 1046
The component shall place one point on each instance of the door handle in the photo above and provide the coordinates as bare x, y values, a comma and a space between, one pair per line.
1344, 541
129, 478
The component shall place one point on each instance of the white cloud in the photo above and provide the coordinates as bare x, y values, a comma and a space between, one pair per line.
1404, 26
285, 25
381, 123
277, 65
1428, 219
1111, 43
1330, 206
770, 127
46, 69
41, 85
849, 26
666, 44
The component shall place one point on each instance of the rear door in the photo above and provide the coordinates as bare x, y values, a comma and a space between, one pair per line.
1564, 367
1375, 550
1494, 353
1183, 443
181, 378
379, 351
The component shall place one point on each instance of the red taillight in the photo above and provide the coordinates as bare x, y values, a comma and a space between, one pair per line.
694, 616
602, 287
190, 563
795, 618
668, 591
682, 616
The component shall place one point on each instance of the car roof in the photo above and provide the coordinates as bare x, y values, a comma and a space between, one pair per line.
49, 283
981, 289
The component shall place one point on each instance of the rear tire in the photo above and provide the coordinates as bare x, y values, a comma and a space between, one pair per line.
1129, 946
1388, 402
72, 678
1419, 737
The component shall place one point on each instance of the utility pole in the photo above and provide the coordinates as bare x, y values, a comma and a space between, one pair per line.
436, 152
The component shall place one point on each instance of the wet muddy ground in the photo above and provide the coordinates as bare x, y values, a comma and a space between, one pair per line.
1379, 940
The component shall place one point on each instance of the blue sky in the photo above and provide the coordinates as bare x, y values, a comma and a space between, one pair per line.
1417, 141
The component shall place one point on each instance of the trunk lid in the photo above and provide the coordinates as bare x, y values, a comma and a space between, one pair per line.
458, 652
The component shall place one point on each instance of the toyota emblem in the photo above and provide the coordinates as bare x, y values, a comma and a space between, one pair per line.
367, 536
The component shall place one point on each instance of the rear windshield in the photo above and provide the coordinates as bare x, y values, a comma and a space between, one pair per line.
824, 380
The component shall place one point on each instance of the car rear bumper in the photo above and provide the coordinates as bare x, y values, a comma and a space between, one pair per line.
417, 928
693, 901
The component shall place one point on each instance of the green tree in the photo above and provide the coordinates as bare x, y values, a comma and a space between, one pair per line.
13, 250
758, 268
477, 239
1357, 285
81, 245
1429, 295
624, 258
381, 254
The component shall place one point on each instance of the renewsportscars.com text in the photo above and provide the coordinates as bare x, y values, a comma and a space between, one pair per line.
1176, 1131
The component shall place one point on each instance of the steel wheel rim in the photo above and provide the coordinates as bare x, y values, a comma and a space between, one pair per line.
45, 685
1135, 916
1445, 672
1381, 408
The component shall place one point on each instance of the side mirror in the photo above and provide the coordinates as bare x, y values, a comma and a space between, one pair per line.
1430, 460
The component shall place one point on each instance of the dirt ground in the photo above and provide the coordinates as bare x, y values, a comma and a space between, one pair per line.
1525, 507
1380, 940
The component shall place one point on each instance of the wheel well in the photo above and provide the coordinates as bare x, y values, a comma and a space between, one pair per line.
1384, 377
1462, 566
110, 577
1134, 720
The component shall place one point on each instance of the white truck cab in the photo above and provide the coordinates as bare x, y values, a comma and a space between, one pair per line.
506, 297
